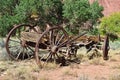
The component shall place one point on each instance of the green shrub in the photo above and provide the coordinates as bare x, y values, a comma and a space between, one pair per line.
55, 12
110, 24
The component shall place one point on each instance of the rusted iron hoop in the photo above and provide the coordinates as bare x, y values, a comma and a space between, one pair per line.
53, 41
8, 39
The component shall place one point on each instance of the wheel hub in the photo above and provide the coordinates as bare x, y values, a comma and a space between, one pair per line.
23, 43
54, 49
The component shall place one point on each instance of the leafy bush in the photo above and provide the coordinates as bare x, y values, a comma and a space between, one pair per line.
79, 11
114, 77
22, 11
111, 24
54, 12
16, 13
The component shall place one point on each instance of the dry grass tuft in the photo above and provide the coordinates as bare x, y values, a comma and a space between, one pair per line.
75, 66
51, 65
115, 58
69, 72
43, 78
83, 77
97, 61
80, 56
19, 70
116, 66
115, 77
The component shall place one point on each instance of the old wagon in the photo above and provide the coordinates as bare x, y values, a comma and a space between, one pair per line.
53, 44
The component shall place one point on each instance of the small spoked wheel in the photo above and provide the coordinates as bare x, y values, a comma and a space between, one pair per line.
17, 48
51, 46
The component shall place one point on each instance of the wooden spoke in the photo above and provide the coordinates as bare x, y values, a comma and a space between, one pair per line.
27, 53
18, 54
23, 53
50, 37
60, 39
57, 37
30, 49
14, 41
12, 46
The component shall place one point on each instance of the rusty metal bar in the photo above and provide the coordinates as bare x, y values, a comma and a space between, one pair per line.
71, 40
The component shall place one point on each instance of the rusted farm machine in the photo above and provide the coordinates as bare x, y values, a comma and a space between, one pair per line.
54, 44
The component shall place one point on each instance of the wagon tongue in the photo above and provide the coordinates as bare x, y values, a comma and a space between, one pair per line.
71, 40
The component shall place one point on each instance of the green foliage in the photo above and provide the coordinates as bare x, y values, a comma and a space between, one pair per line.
111, 24
20, 11
5, 6
54, 12
94, 31
95, 11
51, 11
79, 11
72, 31
5, 24
76, 11
6, 10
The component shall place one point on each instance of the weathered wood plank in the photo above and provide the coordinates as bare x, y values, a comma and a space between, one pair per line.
30, 36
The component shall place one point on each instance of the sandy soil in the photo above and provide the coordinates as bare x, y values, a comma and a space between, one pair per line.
83, 71
96, 69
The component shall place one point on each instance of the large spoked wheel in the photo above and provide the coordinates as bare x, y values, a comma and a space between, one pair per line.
15, 46
51, 46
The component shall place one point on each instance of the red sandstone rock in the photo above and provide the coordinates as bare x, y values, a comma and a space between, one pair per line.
110, 6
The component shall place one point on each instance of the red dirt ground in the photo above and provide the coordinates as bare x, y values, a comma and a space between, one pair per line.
79, 72
98, 70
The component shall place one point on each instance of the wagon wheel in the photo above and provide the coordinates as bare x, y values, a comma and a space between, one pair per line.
106, 48
54, 41
15, 46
